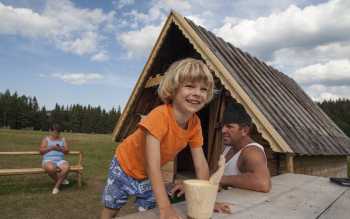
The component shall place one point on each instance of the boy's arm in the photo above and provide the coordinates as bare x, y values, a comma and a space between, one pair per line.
200, 163
200, 166
152, 151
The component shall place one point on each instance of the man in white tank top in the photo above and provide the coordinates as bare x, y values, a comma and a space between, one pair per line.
246, 163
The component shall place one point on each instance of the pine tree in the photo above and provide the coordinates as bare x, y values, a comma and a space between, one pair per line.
19, 112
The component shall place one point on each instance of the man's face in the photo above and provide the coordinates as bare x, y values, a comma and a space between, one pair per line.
232, 134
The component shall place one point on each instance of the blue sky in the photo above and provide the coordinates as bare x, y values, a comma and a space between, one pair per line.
91, 52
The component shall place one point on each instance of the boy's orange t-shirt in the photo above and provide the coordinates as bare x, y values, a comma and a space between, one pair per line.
160, 123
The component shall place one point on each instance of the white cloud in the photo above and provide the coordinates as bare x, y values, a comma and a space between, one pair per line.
154, 14
330, 80
251, 9
332, 73
233, 21
139, 42
120, 80
290, 59
197, 19
119, 4
321, 92
25, 22
100, 57
85, 44
326, 96
71, 29
182, 5
157, 12
294, 27
146, 25
78, 78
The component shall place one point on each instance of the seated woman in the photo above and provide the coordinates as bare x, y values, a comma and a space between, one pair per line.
53, 148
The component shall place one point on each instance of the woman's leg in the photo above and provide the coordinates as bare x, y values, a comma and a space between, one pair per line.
62, 174
51, 169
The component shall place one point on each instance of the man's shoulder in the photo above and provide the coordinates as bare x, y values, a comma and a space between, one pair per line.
253, 150
250, 158
253, 146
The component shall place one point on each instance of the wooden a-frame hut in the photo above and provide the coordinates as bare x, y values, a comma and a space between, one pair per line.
297, 135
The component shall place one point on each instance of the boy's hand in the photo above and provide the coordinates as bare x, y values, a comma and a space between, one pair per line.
168, 213
222, 207
178, 189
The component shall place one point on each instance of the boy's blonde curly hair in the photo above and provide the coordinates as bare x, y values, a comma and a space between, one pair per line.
181, 71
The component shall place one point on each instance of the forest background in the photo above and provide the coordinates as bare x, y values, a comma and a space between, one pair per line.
23, 112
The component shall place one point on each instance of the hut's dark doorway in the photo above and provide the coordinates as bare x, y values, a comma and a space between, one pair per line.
185, 167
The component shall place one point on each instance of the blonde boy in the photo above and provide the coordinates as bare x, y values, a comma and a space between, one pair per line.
135, 169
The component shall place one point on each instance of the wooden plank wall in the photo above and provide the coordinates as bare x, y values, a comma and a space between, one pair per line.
321, 165
326, 166
272, 161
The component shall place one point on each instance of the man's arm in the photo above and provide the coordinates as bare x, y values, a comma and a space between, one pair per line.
255, 174
152, 152
200, 163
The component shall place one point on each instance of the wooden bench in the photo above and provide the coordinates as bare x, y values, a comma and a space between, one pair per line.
78, 168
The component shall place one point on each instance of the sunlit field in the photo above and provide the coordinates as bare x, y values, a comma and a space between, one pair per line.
30, 196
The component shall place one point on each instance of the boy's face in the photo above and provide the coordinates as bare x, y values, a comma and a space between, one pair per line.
191, 97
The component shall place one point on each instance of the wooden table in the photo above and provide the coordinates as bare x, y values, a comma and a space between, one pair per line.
292, 196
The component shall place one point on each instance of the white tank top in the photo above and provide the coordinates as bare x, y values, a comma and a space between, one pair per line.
231, 167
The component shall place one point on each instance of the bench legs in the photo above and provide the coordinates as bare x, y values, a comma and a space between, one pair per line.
79, 179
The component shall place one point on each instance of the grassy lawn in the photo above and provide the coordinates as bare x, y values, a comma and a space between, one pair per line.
30, 196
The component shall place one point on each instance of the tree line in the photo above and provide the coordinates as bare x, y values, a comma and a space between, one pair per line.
339, 111
23, 112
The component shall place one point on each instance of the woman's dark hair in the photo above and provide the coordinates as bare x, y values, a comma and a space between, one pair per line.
56, 127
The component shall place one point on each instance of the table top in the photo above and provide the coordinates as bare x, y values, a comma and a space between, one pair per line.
291, 196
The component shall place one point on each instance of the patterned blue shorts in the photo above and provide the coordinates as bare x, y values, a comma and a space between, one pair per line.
120, 186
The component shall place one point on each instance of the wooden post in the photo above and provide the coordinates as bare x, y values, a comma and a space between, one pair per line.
290, 163
214, 133
79, 179
153, 81
80, 172
80, 158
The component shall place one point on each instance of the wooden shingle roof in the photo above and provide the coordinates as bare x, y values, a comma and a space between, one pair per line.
300, 122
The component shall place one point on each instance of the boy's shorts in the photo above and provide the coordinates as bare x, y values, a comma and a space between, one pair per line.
120, 186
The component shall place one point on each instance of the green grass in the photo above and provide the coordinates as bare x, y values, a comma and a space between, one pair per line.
30, 196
